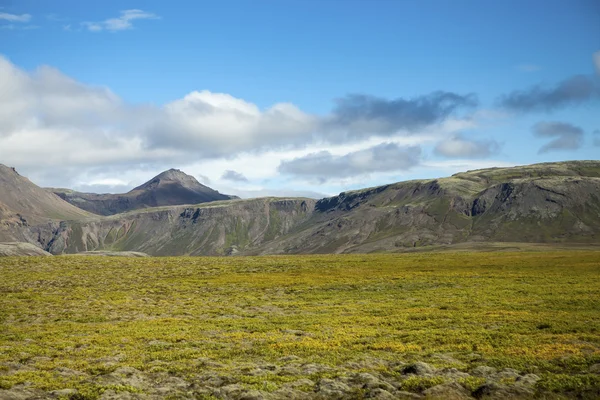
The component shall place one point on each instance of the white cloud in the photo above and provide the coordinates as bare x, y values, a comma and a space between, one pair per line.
261, 167
109, 182
458, 146
124, 21
92, 26
15, 17
596, 58
324, 166
120, 23
219, 125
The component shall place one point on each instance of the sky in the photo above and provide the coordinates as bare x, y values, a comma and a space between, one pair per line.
294, 98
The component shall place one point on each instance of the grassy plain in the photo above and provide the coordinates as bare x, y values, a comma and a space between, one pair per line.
267, 322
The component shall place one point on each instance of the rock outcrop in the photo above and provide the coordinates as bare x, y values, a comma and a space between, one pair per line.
12, 249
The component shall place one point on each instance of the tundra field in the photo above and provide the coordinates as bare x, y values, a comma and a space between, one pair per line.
431, 325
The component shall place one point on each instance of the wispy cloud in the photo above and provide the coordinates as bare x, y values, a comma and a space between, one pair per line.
13, 27
564, 136
92, 26
120, 23
575, 90
15, 17
234, 176
459, 146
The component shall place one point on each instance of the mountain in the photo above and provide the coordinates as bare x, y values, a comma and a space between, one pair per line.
171, 187
555, 203
215, 228
21, 196
24, 204
540, 203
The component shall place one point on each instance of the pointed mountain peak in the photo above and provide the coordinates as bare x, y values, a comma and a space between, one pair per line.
171, 176
175, 175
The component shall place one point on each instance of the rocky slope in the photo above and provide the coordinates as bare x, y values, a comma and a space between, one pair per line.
18, 195
25, 208
171, 187
217, 228
543, 203
12, 249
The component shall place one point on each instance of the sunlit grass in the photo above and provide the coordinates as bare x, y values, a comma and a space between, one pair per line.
534, 312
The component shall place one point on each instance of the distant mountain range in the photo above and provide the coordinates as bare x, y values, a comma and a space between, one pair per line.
169, 188
173, 214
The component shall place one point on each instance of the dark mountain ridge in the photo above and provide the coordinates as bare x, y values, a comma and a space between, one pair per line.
172, 187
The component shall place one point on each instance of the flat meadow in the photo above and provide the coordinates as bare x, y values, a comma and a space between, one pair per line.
435, 325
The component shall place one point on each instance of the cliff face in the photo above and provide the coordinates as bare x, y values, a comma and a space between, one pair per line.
223, 228
543, 203
552, 203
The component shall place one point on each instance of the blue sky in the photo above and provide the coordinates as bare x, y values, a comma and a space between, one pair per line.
294, 96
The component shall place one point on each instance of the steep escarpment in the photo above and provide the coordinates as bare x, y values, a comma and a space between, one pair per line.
222, 228
542, 210
544, 203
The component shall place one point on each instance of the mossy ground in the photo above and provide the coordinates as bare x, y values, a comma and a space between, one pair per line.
534, 312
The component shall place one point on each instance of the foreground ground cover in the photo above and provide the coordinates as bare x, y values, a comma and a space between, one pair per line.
493, 325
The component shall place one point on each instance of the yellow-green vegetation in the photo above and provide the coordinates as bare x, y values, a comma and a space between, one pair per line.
530, 311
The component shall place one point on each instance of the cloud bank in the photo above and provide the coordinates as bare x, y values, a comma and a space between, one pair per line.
575, 90
359, 115
57, 126
47, 119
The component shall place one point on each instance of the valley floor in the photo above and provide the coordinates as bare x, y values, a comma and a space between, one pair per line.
436, 325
